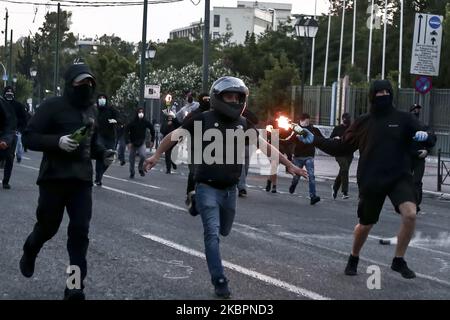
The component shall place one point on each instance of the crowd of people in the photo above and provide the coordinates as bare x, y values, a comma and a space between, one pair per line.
212, 188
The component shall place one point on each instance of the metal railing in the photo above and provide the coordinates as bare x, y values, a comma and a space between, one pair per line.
443, 169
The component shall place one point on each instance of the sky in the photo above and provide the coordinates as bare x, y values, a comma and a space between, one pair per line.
126, 22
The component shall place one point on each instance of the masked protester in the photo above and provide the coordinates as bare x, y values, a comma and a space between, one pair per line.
215, 181
419, 151
343, 162
169, 124
383, 138
135, 135
107, 133
304, 157
6, 131
17, 120
65, 175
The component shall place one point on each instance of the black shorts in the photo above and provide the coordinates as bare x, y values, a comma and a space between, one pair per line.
370, 204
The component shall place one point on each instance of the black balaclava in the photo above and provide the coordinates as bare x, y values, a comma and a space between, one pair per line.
382, 104
79, 96
8, 93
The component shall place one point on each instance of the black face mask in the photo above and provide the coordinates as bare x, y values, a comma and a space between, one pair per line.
83, 94
346, 122
9, 96
382, 102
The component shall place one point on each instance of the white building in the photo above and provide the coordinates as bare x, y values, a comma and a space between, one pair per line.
249, 16
191, 32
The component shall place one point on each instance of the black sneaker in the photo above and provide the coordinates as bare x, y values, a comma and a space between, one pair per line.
26, 265
74, 294
131, 175
190, 203
243, 193
399, 265
345, 196
122, 163
333, 193
352, 265
268, 185
292, 188
142, 173
418, 209
6, 186
174, 166
274, 189
167, 171
98, 183
221, 288
19, 160
314, 200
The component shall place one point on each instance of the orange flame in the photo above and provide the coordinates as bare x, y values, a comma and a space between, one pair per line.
283, 122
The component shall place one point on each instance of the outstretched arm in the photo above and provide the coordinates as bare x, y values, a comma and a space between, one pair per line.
165, 145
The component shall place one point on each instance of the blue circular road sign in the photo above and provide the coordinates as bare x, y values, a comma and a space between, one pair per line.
435, 22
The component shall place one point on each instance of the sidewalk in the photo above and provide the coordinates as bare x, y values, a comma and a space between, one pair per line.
326, 169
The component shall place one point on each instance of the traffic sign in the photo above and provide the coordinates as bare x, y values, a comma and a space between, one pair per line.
426, 51
152, 91
423, 84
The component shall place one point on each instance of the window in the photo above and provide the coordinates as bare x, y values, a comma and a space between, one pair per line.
216, 21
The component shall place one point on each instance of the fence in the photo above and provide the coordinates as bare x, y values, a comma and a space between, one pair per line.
320, 101
443, 169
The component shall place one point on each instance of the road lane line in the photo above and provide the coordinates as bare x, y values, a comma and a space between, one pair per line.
253, 274
134, 182
145, 198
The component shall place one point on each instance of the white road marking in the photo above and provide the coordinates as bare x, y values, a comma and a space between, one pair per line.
134, 182
393, 241
253, 274
145, 198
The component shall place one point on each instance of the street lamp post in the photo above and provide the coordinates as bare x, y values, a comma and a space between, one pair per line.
14, 79
150, 53
33, 74
305, 27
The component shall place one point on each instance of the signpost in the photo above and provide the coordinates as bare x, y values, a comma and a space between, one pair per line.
426, 51
152, 91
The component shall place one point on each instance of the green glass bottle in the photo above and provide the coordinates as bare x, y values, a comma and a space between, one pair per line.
80, 134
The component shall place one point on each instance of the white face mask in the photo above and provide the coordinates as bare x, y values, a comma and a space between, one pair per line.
140, 115
102, 102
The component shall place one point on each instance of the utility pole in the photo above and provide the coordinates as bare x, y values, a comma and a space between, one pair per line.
10, 58
206, 47
6, 42
55, 78
143, 47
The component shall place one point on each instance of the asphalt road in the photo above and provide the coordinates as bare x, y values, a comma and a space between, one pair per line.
144, 245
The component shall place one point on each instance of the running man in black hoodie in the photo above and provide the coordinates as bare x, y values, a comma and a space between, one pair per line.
135, 138
383, 138
65, 175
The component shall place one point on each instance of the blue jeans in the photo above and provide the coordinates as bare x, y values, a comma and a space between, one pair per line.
217, 208
309, 164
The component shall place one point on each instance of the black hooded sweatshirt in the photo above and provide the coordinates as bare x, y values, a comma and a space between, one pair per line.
136, 129
59, 116
107, 130
383, 138
16, 111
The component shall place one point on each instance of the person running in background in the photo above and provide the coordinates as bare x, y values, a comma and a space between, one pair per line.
343, 162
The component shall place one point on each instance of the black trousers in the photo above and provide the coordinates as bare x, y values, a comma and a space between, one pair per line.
168, 159
54, 197
9, 161
191, 183
418, 170
100, 167
342, 177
